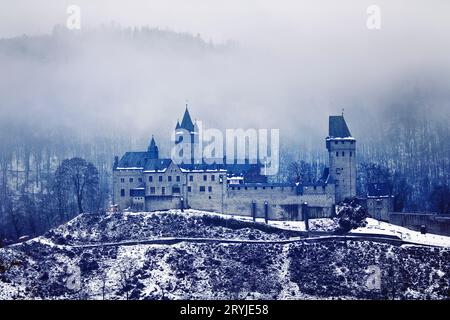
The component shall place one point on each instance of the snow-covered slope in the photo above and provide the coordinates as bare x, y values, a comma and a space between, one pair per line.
57, 266
325, 224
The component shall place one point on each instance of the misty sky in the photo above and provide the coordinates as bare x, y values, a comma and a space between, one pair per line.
250, 20
296, 63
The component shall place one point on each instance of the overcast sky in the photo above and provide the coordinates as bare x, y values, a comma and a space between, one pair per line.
298, 62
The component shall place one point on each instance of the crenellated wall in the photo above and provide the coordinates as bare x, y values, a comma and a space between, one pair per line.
283, 201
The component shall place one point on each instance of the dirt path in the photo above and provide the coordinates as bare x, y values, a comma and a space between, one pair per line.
171, 241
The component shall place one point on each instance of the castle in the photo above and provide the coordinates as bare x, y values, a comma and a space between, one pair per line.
144, 181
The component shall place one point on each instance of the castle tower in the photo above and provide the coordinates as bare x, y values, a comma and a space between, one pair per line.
341, 148
153, 152
187, 134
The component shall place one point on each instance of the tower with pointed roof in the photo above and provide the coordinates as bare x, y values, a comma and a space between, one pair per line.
187, 134
341, 148
153, 152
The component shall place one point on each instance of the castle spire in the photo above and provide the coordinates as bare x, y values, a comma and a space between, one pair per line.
187, 123
152, 142
153, 149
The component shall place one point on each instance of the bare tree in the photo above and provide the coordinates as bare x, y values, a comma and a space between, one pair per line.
80, 177
126, 270
301, 172
104, 281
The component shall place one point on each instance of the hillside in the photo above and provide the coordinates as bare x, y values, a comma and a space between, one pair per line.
64, 264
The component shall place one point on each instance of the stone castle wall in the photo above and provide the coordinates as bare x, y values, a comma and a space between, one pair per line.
208, 191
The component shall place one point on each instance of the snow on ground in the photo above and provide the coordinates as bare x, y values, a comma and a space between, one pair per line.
375, 226
290, 289
290, 225
324, 224
45, 241
160, 275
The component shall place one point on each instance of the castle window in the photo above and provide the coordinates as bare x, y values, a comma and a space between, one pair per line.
232, 188
122, 180
160, 178
264, 188
131, 180
213, 178
337, 154
191, 178
209, 197
256, 188
271, 187
335, 142
140, 179
150, 179
239, 188
122, 192
163, 190
202, 188
209, 189
131, 194
343, 153
175, 189
189, 189
169, 178
178, 178
350, 153
205, 177
152, 190
245, 188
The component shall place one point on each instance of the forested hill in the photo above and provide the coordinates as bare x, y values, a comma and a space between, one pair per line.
63, 44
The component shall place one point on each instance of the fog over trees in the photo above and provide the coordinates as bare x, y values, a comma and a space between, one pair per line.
100, 92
